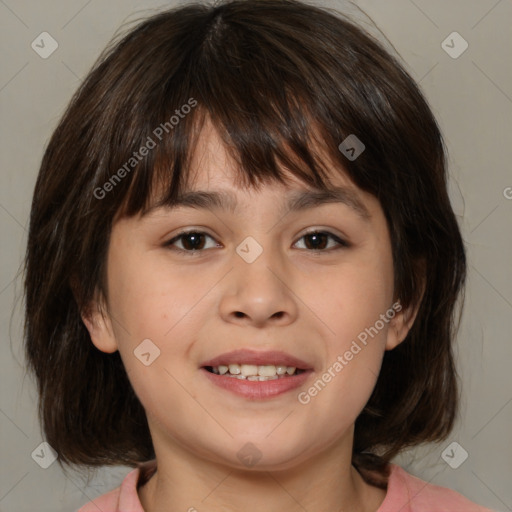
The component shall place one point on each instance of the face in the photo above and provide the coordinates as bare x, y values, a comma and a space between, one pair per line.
264, 287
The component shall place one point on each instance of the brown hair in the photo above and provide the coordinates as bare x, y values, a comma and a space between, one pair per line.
275, 77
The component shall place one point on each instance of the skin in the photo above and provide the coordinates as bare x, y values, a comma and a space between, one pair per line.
187, 305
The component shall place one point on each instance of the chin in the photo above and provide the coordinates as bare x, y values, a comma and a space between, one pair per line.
263, 453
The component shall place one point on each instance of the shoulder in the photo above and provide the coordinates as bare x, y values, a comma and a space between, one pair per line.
124, 497
411, 494
108, 502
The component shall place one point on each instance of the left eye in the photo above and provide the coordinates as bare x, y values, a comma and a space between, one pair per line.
317, 239
193, 241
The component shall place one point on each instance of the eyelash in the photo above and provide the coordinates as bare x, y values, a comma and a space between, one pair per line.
342, 244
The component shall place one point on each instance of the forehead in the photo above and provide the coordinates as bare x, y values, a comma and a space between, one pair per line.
214, 181
212, 167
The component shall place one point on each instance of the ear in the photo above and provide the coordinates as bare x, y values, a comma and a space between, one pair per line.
400, 324
99, 324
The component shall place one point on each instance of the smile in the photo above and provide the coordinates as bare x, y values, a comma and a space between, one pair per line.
256, 375
254, 372
257, 387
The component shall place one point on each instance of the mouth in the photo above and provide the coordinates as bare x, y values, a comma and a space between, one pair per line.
254, 372
256, 375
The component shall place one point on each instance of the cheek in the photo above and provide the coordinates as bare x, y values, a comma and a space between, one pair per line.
354, 299
355, 305
157, 312
149, 298
352, 362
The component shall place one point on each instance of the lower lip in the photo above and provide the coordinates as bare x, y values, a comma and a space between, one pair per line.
255, 389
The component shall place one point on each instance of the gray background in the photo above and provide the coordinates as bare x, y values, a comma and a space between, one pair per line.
472, 99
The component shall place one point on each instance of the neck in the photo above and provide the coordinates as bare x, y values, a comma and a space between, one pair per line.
326, 482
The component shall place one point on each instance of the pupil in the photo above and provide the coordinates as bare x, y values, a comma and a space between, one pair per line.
195, 237
316, 236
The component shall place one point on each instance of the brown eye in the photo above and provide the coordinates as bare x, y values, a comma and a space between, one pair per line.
194, 242
191, 241
318, 241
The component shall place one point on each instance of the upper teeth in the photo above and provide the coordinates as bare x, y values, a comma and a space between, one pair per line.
248, 370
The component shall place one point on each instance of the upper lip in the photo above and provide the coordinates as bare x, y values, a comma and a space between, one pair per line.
259, 358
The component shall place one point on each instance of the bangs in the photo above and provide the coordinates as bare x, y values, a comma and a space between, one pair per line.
261, 147
289, 112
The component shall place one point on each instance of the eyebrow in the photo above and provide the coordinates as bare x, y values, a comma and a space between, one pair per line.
297, 201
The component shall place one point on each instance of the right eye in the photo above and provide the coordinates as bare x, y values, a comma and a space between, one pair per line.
192, 241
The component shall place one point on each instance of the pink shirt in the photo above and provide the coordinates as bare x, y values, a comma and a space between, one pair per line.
405, 493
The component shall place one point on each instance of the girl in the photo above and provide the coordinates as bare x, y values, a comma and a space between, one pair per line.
234, 281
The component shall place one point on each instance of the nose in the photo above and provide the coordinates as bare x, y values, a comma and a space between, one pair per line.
259, 293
